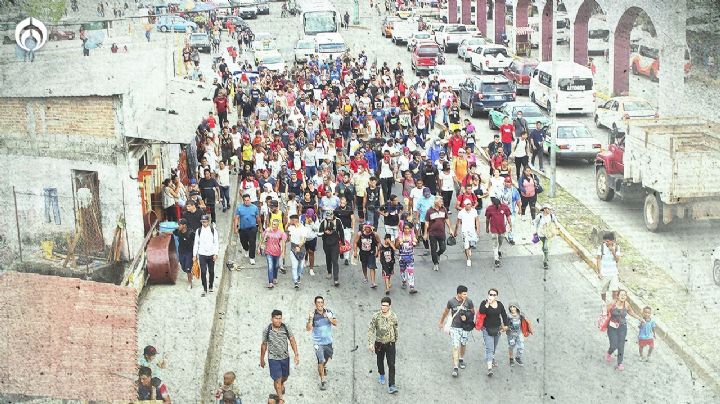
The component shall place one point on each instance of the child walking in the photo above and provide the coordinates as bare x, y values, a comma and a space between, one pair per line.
387, 259
518, 329
406, 247
646, 334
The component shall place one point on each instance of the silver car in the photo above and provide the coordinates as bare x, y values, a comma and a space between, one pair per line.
574, 141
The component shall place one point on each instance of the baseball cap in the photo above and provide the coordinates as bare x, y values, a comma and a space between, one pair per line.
182, 221
426, 192
150, 350
205, 218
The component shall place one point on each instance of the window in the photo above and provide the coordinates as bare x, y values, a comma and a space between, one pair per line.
575, 84
599, 34
496, 51
428, 51
651, 53
527, 69
608, 105
545, 79
496, 88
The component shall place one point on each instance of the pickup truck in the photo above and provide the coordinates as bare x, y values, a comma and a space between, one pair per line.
402, 31
450, 35
490, 58
425, 57
670, 163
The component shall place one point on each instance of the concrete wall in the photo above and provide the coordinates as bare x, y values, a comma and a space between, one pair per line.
41, 141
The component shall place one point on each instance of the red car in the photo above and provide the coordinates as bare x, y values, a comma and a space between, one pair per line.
425, 57
518, 73
57, 34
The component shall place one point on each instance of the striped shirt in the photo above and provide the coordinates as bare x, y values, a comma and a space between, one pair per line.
277, 341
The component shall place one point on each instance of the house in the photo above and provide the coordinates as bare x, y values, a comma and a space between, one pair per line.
86, 142
66, 338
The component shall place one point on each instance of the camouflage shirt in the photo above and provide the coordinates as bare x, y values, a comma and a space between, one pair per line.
383, 329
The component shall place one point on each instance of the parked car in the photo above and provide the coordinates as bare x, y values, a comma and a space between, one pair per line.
483, 93
450, 35
200, 41
518, 73
263, 42
387, 26
263, 7
304, 49
418, 37
468, 45
57, 34
402, 31
237, 21
248, 10
270, 60
167, 23
490, 58
450, 75
574, 141
531, 112
615, 112
425, 57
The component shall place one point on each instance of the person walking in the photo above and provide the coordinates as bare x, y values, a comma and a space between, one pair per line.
521, 152
382, 337
518, 329
246, 222
205, 251
537, 139
333, 235
275, 344
387, 259
529, 185
186, 243
312, 228
405, 245
346, 20
495, 321
436, 219
618, 310
297, 234
368, 242
607, 260
320, 323
510, 196
461, 311
546, 229
496, 217
468, 221
273, 243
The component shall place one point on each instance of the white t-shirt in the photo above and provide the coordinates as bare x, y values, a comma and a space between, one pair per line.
415, 195
447, 181
297, 233
223, 177
468, 220
520, 148
608, 266
309, 157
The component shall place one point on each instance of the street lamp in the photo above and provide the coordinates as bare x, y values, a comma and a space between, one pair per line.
553, 109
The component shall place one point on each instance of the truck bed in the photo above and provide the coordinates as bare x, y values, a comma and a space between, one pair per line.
677, 157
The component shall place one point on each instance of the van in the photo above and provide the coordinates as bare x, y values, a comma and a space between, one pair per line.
329, 45
598, 36
575, 93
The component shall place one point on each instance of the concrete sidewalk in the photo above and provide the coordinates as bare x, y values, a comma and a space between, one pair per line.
178, 322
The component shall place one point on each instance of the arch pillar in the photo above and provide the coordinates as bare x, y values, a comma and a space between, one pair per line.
466, 14
547, 32
499, 18
481, 16
452, 12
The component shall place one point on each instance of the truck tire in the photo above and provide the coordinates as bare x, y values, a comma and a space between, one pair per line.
716, 272
653, 213
602, 185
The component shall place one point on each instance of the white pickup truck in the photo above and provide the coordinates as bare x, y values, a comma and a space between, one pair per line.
490, 58
402, 31
450, 35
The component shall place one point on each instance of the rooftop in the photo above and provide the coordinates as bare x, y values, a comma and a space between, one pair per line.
67, 338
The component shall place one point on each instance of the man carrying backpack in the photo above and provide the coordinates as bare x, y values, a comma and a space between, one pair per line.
275, 343
205, 251
461, 322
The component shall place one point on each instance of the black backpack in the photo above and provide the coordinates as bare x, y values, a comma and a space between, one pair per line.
269, 327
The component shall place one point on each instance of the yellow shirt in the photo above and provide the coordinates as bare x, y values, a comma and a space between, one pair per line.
279, 217
460, 167
247, 152
361, 183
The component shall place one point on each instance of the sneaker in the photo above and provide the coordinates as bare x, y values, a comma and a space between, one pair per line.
347, 262
546, 265
387, 291
500, 254
282, 270
523, 218
365, 280
490, 372
203, 294
337, 283
511, 242
455, 372
468, 263
189, 287
620, 367
512, 362
297, 285
413, 290
373, 286
211, 290
328, 276
252, 261
426, 253
403, 285
381, 379
462, 363
392, 389
436, 267
519, 361
323, 385
497, 263
495, 363
312, 272
608, 357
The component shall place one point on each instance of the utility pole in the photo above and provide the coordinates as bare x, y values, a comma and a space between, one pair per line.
553, 109
356, 12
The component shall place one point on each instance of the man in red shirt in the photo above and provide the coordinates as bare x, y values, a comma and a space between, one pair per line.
456, 142
467, 194
507, 131
496, 215
359, 161
221, 106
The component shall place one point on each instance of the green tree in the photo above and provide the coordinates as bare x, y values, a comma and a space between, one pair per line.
44, 10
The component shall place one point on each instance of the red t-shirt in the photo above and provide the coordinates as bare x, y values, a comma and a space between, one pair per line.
355, 164
462, 197
436, 219
221, 104
506, 133
456, 142
496, 218
211, 121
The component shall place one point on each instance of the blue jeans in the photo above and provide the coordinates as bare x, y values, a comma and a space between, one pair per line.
373, 217
507, 148
310, 171
273, 264
491, 343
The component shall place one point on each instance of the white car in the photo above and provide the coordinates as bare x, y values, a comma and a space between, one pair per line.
468, 45
264, 41
450, 75
574, 141
490, 58
615, 112
402, 31
416, 37
270, 60
715, 262
304, 49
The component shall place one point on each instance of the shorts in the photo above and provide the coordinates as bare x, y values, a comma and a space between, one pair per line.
311, 245
470, 241
323, 353
646, 342
611, 283
407, 262
368, 261
279, 368
387, 269
459, 336
186, 262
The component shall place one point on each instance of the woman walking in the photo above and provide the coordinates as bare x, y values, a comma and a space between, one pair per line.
617, 327
312, 228
546, 229
529, 185
297, 233
495, 321
273, 242
405, 244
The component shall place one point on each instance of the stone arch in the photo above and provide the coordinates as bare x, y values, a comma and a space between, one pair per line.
497, 7
521, 13
547, 31
580, 29
621, 49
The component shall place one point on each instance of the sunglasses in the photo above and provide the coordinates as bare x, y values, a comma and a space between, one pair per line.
493, 294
